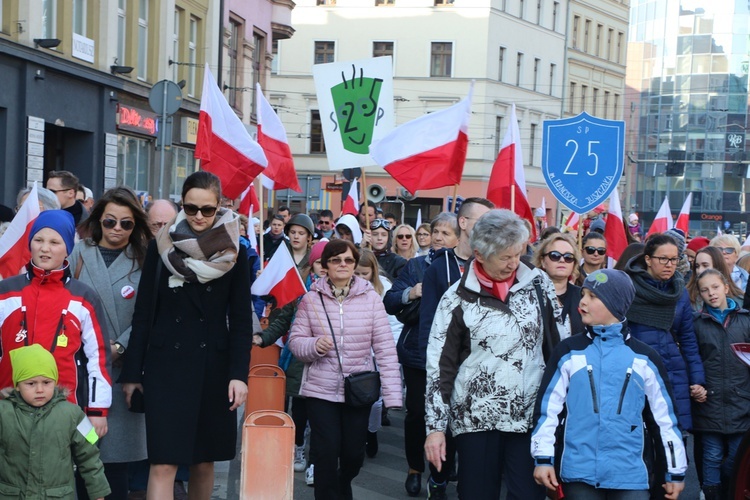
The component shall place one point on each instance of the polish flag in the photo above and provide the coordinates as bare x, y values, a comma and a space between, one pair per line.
428, 152
280, 173
719, 232
248, 201
614, 229
419, 218
683, 220
351, 204
572, 221
280, 279
14, 243
251, 236
508, 173
663, 220
224, 145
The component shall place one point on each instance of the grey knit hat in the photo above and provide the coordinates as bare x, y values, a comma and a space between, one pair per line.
614, 288
679, 238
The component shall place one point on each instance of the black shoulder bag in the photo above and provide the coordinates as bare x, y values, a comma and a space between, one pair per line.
361, 389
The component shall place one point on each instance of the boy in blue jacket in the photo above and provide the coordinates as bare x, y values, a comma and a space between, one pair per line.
605, 378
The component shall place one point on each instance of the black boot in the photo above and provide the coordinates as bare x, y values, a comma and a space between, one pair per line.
384, 420
371, 446
712, 492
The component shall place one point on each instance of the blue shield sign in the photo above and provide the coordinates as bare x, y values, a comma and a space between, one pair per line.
582, 159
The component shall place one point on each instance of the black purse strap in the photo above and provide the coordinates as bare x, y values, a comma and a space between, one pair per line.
551, 334
330, 325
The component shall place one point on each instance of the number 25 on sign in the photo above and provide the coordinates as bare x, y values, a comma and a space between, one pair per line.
582, 159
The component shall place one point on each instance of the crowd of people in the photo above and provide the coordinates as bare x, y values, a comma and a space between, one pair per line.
538, 366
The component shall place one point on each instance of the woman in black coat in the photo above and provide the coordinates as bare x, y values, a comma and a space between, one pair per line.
189, 361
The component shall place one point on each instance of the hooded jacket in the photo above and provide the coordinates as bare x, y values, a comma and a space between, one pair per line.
604, 378
352, 223
39, 446
360, 324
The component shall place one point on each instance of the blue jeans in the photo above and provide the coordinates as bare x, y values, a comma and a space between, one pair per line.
583, 491
715, 447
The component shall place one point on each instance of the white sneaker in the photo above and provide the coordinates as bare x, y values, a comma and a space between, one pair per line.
299, 458
310, 476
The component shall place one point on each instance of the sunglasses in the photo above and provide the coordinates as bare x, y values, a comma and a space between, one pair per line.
326, 222
207, 211
555, 256
337, 261
726, 250
404, 236
377, 223
593, 250
126, 225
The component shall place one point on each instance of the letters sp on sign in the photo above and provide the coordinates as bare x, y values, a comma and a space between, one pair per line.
582, 159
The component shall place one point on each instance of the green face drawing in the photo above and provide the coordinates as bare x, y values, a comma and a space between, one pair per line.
357, 112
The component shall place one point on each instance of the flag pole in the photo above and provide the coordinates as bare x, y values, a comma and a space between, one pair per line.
580, 233
513, 199
364, 201
455, 197
262, 217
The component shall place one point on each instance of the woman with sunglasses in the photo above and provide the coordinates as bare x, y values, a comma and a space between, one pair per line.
348, 307
405, 241
594, 255
710, 258
424, 239
109, 259
661, 316
730, 248
557, 255
389, 262
189, 348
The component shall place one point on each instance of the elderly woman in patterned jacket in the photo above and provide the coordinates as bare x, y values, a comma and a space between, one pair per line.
485, 358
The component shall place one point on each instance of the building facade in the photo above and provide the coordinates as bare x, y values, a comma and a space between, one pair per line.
688, 96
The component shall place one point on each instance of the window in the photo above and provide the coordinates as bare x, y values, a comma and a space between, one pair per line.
555, 9
606, 104
235, 43
576, 24
441, 59
121, 30
275, 60
142, 39
521, 6
259, 58
584, 88
324, 52
192, 55
572, 97
49, 18
498, 132
443, 2
615, 105
532, 140
326, 2
594, 98
317, 144
133, 160
382, 49
519, 64
183, 164
586, 29
609, 44
618, 56
539, 11
385, 2
501, 64
176, 45
599, 29
552, 71
79, 17
537, 62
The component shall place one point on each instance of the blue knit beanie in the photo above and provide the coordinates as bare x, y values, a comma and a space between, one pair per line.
59, 220
614, 288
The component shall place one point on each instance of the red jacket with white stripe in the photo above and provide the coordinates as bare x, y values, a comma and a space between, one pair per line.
52, 309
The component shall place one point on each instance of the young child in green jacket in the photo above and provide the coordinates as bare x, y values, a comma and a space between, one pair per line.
42, 435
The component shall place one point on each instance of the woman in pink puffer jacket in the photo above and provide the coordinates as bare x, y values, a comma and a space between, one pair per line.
361, 326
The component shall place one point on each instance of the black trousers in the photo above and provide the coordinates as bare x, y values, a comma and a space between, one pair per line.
299, 416
338, 435
414, 429
117, 476
489, 456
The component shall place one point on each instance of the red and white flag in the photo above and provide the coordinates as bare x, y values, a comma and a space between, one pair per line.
351, 204
224, 145
508, 174
428, 152
683, 220
249, 202
280, 279
572, 221
14, 243
280, 173
663, 220
614, 229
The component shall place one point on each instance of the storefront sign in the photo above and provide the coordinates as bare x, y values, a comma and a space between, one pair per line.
83, 48
136, 120
716, 217
188, 130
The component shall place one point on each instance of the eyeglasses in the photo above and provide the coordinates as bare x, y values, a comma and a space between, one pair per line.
157, 225
59, 190
207, 211
593, 250
666, 260
422, 235
126, 225
726, 250
406, 236
326, 222
555, 256
384, 223
337, 261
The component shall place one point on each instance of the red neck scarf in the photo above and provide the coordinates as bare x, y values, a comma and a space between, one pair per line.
498, 289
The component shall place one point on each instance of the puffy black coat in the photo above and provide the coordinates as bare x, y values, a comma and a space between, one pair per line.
727, 408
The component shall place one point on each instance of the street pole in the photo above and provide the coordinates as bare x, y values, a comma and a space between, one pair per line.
163, 131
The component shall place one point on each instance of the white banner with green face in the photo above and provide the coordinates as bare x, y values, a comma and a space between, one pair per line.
355, 99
